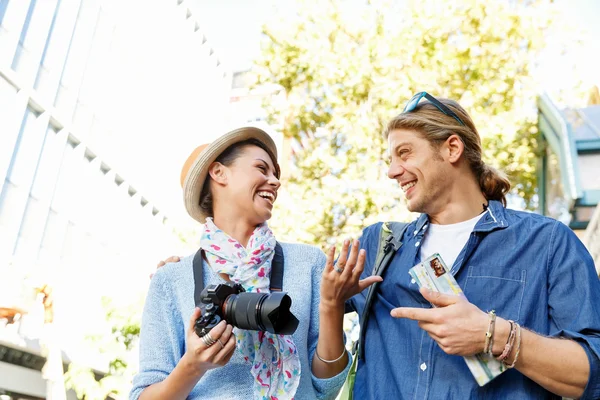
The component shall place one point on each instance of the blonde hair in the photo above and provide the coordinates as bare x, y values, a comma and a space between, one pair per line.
436, 127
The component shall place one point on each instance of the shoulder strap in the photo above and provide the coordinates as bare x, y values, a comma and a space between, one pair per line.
277, 269
389, 243
276, 273
198, 278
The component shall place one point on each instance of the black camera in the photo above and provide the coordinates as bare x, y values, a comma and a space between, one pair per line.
268, 312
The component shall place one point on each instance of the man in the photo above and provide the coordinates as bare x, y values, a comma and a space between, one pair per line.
532, 270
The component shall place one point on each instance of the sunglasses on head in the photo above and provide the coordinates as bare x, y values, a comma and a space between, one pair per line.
412, 104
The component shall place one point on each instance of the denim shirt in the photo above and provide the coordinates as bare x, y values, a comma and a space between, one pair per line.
529, 268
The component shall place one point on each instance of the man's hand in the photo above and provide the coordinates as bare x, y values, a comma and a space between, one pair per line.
457, 326
164, 262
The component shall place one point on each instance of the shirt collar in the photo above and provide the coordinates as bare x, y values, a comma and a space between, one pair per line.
494, 218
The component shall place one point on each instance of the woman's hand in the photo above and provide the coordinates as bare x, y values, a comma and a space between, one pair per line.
199, 357
342, 279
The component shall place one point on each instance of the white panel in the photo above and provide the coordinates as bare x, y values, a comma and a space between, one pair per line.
14, 378
589, 170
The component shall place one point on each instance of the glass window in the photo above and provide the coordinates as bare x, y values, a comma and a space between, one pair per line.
15, 191
65, 184
27, 151
8, 125
72, 245
79, 49
12, 23
53, 236
12, 202
32, 228
557, 205
3, 5
49, 166
24, 31
57, 47
33, 38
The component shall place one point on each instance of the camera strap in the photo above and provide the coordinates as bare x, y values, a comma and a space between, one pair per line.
390, 238
276, 273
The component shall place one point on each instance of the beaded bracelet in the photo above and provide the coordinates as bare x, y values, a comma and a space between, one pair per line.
330, 361
489, 335
509, 342
508, 366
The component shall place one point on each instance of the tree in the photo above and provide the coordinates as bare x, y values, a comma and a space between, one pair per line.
345, 69
116, 345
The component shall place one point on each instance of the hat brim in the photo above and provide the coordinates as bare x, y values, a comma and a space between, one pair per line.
196, 176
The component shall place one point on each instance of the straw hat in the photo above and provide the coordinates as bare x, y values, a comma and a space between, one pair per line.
195, 168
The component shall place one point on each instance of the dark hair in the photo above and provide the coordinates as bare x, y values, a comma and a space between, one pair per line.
227, 157
436, 127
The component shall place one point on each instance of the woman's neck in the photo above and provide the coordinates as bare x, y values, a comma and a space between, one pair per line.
236, 228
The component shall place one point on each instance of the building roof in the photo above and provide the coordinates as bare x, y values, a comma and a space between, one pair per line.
574, 137
585, 123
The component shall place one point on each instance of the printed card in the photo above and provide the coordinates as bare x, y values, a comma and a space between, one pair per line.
433, 274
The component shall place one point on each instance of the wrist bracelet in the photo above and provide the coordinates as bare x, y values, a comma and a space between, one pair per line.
489, 335
508, 366
509, 342
330, 361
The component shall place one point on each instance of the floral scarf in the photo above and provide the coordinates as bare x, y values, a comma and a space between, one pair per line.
275, 361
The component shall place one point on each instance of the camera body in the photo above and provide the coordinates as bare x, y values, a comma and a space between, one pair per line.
214, 298
252, 311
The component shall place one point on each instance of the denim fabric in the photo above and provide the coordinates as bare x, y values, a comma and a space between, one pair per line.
527, 267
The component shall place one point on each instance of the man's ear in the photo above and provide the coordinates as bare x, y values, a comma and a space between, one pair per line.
455, 148
217, 172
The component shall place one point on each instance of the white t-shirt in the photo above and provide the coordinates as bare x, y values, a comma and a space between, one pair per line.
447, 240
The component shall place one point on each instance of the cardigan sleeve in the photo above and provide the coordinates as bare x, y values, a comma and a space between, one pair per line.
162, 337
327, 388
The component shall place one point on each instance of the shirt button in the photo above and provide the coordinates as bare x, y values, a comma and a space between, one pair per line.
413, 281
423, 367
417, 244
424, 227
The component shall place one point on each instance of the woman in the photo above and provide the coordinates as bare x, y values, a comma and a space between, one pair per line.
230, 186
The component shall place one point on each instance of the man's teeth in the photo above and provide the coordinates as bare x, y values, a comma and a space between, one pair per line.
267, 195
408, 185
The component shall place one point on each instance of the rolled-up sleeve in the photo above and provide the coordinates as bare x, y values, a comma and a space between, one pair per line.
325, 388
574, 299
161, 337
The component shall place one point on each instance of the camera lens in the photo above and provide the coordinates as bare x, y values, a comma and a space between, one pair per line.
261, 312
276, 315
242, 310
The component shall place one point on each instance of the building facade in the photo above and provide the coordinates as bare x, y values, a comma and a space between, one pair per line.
92, 94
569, 187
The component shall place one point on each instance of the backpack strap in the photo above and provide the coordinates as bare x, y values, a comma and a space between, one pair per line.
276, 273
389, 243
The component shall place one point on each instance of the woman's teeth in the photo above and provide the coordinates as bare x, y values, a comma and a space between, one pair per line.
267, 195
